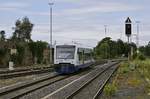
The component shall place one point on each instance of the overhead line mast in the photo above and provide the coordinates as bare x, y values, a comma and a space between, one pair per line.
51, 42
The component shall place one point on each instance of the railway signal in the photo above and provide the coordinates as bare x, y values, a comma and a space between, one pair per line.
128, 32
128, 28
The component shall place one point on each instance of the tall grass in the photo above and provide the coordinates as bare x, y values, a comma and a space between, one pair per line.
110, 89
144, 68
124, 68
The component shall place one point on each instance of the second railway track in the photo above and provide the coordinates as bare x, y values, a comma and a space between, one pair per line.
17, 90
86, 87
20, 73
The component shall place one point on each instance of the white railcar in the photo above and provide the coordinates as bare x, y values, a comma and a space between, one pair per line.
70, 58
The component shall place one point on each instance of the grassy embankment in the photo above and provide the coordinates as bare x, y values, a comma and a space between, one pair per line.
132, 80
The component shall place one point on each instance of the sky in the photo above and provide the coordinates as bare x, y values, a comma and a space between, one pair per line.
80, 21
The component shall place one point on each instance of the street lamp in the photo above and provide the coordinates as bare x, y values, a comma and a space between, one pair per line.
51, 43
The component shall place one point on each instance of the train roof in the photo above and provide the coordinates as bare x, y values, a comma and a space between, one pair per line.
80, 48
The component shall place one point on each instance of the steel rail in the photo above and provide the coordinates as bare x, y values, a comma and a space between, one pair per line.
26, 87
23, 69
69, 90
103, 85
24, 73
88, 82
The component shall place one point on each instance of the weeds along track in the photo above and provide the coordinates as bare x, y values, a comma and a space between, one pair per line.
88, 86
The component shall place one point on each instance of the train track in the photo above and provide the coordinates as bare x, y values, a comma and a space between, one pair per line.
25, 88
88, 86
60, 87
24, 72
20, 89
23, 69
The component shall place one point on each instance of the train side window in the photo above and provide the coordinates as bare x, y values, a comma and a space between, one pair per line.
80, 55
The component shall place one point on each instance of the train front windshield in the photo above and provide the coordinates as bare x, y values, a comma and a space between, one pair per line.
65, 52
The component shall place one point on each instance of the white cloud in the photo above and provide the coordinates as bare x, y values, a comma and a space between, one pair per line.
9, 6
83, 8
34, 13
102, 8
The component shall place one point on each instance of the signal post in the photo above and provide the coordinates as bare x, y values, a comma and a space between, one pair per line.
128, 32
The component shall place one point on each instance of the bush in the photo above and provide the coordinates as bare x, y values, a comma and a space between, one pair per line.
20, 53
37, 49
141, 57
124, 68
144, 67
2, 52
110, 89
134, 56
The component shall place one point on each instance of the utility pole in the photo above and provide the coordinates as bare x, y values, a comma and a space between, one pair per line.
51, 43
105, 30
137, 36
105, 26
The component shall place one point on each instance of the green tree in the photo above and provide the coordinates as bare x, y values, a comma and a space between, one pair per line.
108, 48
26, 28
40, 48
23, 29
147, 50
37, 49
33, 47
20, 53
17, 33
126, 49
2, 35
112, 49
103, 48
142, 49
120, 47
